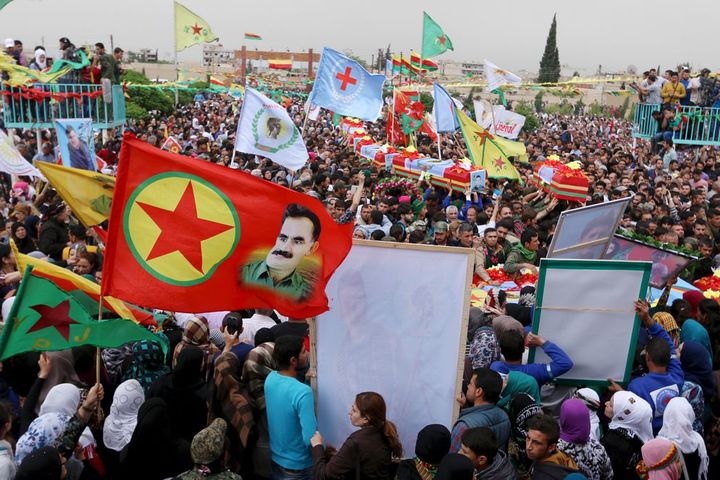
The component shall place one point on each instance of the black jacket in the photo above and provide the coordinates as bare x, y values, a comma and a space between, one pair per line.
53, 239
366, 449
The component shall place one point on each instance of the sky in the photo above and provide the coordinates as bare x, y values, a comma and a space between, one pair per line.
612, 33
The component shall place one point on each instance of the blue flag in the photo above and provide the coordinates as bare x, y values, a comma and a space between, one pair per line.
344, 87
444, 110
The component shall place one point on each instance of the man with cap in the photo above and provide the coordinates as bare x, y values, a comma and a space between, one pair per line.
440, 237
207, 451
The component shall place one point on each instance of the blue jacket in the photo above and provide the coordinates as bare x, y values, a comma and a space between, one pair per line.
542, 372
659, 388
490, 416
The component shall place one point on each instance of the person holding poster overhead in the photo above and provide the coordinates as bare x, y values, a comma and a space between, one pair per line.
665, 378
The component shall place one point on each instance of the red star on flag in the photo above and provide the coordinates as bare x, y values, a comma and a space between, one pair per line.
57, 317
499, 163
182, 230
196, 29
441, 40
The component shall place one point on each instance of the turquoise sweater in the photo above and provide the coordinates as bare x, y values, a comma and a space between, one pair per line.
291, 421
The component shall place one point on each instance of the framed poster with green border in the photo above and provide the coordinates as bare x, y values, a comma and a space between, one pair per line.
586, 308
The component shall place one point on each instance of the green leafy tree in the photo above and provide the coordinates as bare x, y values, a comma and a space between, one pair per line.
135, 111
531, 121
539, 101
550, 62
132, 76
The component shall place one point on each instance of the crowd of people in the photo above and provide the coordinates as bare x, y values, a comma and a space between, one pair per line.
232, 397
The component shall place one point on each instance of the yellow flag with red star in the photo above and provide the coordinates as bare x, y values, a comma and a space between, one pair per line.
190, 29
489, 151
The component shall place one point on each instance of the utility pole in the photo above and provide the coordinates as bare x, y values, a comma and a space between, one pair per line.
112, 44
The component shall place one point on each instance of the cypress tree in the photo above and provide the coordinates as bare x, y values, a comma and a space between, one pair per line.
550, 62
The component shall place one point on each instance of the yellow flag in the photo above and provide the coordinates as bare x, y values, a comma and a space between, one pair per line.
88, 194
190, 29
489, 151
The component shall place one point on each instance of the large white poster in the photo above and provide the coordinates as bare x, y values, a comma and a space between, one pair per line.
586, 307
396, 325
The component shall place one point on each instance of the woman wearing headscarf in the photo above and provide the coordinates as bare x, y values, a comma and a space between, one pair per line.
630, 427
148, 364
518, 382
661, 460
575, 441
693, 331
39, 63
258, 365
667, 321
184, 391
120, 423
432, 444
677, 427
154, 452
698, 372
522, 408
59, 406
484, 348
368, 452
196, 334
231, 402
591, 400
55, 368
23, 242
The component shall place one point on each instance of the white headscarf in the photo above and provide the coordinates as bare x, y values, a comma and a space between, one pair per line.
41, 53
59, 405
633, 414
120, 424
592, 400
678, 428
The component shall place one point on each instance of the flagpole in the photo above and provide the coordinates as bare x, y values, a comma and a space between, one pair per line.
97, 350
392, 119
177, 73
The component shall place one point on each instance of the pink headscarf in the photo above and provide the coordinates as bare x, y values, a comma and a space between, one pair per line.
574, 421
661, 460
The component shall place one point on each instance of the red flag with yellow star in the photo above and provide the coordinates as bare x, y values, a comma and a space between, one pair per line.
191, 236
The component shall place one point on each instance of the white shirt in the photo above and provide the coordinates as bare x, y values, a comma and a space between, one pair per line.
252, 325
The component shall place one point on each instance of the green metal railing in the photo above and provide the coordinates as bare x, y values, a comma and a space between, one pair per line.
39, 105
700, 125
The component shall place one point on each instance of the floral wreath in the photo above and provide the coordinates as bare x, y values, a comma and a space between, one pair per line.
406, 185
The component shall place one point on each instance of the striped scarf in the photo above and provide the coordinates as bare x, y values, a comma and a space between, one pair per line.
427, 471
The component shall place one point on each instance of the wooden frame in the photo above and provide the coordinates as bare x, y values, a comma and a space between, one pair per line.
465, 309
568, 213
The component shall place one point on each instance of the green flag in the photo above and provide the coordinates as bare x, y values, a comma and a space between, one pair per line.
409, 124
45, 317
336, 119
3, 3
435, 41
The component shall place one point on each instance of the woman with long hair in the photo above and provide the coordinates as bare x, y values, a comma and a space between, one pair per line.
368, 452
